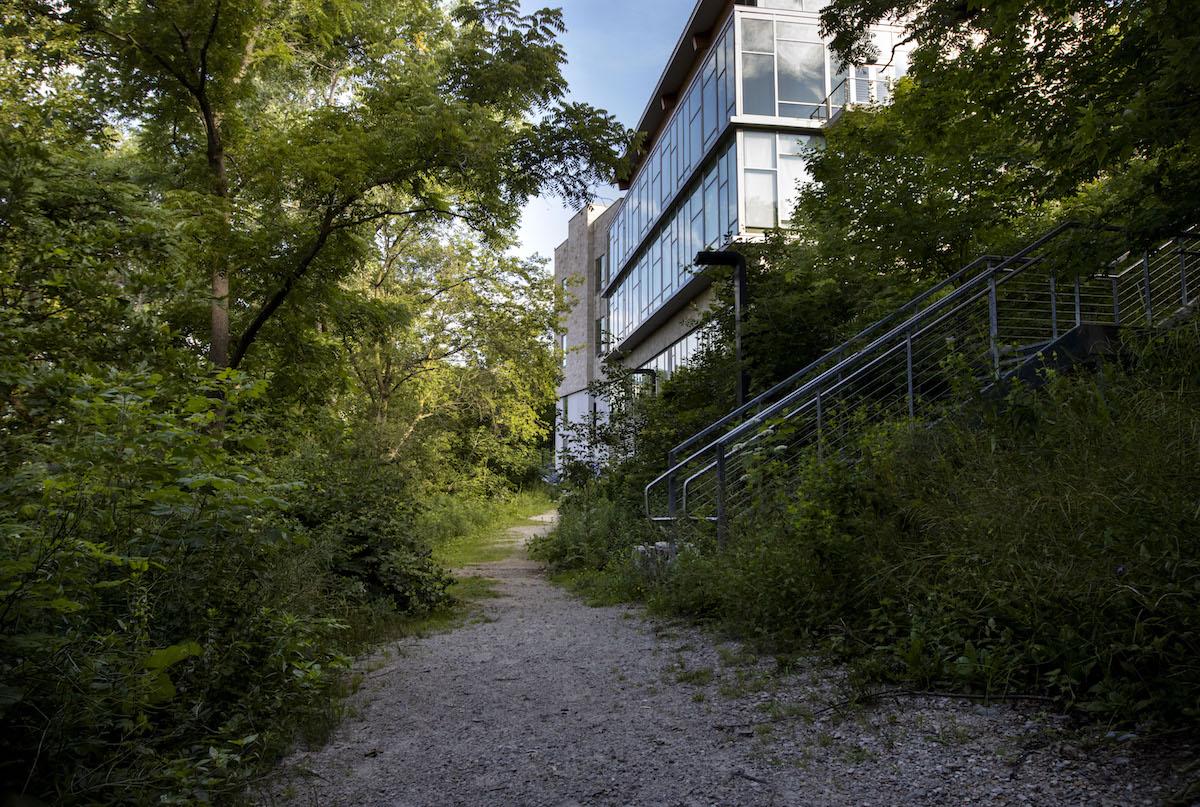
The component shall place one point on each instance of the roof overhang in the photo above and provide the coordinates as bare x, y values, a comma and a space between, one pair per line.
696, 37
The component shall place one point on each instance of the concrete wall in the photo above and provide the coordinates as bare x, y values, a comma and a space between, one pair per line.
574, 264
575, 270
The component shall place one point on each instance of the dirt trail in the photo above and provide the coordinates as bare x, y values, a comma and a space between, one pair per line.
544, 701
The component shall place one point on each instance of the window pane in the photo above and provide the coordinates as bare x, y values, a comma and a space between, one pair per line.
760, 149
862, 85
710, 109
712, 218
801, 72
760, 199
839, 82
792, 173
794, 144
758, 84
805, 33
758, 35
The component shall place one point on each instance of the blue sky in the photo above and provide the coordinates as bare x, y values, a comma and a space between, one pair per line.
616, 50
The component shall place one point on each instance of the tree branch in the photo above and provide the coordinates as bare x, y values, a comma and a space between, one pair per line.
281, 294
208, 40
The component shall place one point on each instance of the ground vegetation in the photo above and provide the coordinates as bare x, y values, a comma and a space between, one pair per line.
1041, 543
263, 352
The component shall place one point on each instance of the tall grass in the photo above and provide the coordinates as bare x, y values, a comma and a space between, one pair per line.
464, 530
1046, 544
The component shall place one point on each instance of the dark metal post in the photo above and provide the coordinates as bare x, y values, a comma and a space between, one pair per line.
1053, 306
994, 325
820, 428
1149, 297
1183, 279
721, 525
908, 354
671, 484
739, 309
736, 260
1116, 302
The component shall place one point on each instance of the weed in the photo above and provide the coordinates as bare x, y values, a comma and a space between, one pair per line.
701, 676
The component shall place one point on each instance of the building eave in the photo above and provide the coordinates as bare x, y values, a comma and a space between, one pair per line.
693, 42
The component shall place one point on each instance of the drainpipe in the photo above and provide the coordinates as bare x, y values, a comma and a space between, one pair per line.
736, 260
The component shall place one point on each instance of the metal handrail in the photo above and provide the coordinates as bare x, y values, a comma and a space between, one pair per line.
827, 101
1011, 265
840, 349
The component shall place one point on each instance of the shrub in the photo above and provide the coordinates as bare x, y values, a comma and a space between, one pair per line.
1046, 543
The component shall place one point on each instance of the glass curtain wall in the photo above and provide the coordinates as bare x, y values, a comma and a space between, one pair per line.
774, 166
695, 127
788, 72
676, 356
704, 216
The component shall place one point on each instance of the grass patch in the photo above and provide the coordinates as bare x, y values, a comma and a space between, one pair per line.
701, 676
467, 532
596, 588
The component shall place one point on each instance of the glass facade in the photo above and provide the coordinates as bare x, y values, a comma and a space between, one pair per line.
704, 216
693, 131
702, 183
774, 167
787, 71
676, 356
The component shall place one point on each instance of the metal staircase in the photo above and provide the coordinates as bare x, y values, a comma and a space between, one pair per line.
1055, 302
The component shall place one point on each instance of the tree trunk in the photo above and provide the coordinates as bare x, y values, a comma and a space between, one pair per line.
219, 339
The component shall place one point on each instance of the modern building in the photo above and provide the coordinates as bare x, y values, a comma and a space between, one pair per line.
748, 90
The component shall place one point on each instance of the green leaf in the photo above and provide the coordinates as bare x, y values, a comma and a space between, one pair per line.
169, 656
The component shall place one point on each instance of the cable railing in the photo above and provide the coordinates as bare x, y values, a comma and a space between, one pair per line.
992, 317
853, 91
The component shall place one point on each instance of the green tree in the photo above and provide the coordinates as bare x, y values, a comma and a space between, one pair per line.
450, 338
1102, 92
285, 131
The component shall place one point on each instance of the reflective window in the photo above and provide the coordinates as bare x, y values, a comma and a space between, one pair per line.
695, 126
705, 215
761, 201
676, 356
787, 71
774, 169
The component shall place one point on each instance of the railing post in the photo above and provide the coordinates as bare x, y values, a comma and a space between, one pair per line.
670, 484
1078, 303
908, 355
820, 428
1183, 279
722, 526
993, 325
1053, 306
1148, 297
1116, 302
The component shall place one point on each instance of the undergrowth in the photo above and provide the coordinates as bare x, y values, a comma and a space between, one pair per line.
1044, 544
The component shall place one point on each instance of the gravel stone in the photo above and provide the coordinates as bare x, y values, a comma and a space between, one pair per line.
545, 701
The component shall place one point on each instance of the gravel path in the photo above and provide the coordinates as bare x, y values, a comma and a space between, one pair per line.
544, 701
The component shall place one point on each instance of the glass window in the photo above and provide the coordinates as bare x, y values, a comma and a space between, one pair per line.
761, 202
758, 84
792, 173
862, 85
711, 106
802, 32
758, 35
801, 72
712, 212
760, 149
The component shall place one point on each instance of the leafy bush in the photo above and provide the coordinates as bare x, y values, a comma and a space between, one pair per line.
1046, 543
153, 605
